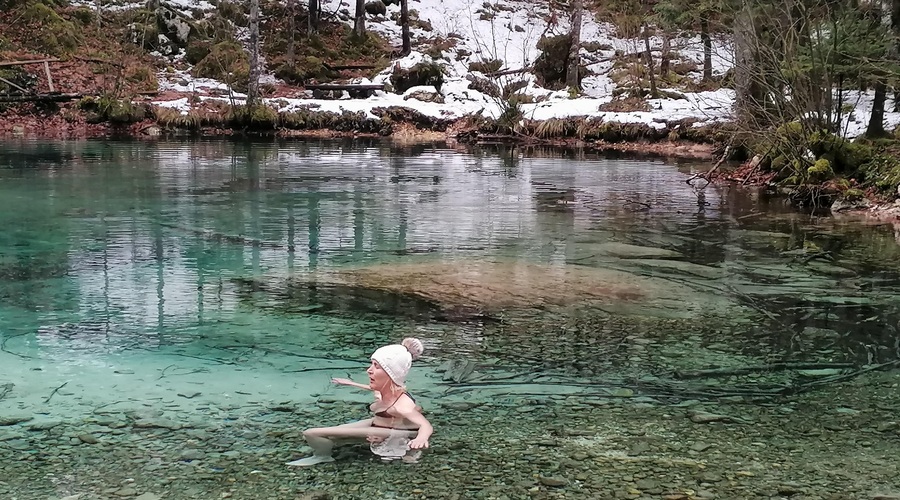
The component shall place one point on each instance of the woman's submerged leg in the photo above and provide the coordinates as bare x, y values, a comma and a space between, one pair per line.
322, 439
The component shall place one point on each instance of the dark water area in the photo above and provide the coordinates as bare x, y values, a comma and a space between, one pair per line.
131, 272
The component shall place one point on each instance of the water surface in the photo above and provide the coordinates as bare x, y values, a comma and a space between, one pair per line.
199, 279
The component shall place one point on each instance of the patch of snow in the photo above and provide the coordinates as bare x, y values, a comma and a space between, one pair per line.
855, 122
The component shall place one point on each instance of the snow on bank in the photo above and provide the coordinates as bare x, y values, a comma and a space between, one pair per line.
509, 30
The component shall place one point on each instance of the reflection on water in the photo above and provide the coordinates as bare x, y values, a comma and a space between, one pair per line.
225, 267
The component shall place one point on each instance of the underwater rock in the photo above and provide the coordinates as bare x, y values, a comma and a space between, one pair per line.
554, 481
14, 419
457, 370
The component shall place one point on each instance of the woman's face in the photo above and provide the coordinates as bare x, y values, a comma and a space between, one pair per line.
378, 378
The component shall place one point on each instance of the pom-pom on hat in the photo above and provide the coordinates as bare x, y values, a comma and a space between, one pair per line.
396, 359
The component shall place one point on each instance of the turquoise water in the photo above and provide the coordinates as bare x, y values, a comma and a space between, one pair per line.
218, 278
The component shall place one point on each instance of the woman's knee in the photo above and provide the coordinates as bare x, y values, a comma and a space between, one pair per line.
315, 432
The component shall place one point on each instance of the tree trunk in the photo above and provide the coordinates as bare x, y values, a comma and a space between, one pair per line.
359, 22
404, 27
312, 23
665, 57
895, 30
748, 101
253, 86
707, 49
648, 57
572, 79
292, 27
876, 121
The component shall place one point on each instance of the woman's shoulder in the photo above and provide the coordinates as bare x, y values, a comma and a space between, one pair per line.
406, 402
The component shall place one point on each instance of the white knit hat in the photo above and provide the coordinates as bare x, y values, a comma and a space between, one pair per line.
396, 359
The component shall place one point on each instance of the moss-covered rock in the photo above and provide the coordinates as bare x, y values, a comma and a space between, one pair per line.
53, 34
254, 118
226, 62
424, 73
550, 66
820, 171
197, 50
304, 70
883, 173
108, 108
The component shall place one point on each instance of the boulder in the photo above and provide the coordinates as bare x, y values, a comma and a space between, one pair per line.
376, 8
424, 95
173, 25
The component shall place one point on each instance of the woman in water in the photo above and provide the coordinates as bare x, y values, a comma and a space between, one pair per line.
395, 411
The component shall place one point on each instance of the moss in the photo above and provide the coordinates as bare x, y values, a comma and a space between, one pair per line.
84, 15
820, 170
844, 156
234, 12
550, 65
226, 62
197, 50
883, 173
854, 194
145, 36
303, 70
108, 108
256, 118
53, 34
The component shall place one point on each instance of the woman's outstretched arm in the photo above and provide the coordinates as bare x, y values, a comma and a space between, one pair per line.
347, 381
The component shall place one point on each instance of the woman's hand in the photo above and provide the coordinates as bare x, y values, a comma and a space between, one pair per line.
343, 381
418, 443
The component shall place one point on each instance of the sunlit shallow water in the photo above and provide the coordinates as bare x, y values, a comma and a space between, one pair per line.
216, 283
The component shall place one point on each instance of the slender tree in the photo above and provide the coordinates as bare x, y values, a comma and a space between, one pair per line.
748, 92
875, 127
292, 27
253, 86
359, 21
572, 79
648, 57
312, 20
404, 28
707, 48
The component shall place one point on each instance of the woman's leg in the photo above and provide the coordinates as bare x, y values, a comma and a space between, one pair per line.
322, 439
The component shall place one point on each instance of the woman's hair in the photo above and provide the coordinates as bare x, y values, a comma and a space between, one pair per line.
414, 346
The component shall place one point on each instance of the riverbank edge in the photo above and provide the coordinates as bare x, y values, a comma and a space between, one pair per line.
397, 124
675, 139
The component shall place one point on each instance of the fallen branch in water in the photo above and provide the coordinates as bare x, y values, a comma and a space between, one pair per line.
6, 389
725, 372
7, 351
54, 392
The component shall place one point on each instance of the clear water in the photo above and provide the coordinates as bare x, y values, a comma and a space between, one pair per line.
193, 279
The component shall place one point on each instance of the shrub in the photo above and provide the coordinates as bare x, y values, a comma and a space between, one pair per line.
489, 66
257, 118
